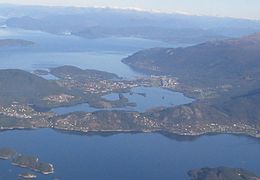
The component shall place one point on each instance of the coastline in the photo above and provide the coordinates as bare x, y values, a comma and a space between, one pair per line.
120, 131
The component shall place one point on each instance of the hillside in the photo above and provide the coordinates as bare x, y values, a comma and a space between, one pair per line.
24, 87
235, 114
214, 63
82, 75
226, 72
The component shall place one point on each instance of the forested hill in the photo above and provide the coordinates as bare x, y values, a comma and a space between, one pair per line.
233, 61
22, 86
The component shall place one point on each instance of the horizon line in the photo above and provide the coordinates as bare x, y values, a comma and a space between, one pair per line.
144, 10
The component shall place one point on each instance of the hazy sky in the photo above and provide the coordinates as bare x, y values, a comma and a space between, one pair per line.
232, 8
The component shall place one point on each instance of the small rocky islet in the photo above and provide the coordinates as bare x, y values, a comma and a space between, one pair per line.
27, 175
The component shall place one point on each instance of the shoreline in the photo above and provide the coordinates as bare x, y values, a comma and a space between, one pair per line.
115, 132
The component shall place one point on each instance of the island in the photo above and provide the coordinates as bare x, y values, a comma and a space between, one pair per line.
32, 163
7, 154
221, 173
25, 161
14, 43
41, 72
27, 176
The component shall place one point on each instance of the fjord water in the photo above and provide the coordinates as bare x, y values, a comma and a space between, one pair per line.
146, 98
121, 156
129, 156
54, 50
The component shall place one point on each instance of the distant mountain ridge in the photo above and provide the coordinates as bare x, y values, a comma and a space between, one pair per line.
108, 22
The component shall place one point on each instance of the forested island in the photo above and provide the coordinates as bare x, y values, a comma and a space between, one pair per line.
221, 173
28, 162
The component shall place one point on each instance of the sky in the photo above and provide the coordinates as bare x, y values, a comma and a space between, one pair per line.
249, 9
